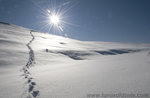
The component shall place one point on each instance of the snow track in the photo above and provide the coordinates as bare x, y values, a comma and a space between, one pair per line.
31, 92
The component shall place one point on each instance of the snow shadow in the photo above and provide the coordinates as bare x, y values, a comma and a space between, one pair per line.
62, 43
80, 55
75, 55
5, 41
116, 51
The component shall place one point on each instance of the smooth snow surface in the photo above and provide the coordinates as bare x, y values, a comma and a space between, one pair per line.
39, 65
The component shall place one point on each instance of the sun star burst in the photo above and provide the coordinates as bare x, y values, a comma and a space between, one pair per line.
54, 19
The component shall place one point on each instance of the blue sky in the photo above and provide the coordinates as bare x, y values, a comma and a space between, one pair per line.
90, 20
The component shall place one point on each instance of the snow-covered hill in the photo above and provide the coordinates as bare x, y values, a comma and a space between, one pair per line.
39, 65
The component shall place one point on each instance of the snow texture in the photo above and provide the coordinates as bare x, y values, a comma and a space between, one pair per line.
40, 65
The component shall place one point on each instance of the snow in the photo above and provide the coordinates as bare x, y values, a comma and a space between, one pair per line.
39, 65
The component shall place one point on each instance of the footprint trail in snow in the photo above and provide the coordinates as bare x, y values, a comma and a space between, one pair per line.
31, 91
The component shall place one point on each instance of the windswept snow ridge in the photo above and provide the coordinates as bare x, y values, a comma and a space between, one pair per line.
27, 75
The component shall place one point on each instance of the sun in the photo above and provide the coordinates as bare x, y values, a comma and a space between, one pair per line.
54, 19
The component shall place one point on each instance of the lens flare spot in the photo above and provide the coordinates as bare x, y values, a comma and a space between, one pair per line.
54, 19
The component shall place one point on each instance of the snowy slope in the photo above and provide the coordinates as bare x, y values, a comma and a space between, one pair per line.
38, 65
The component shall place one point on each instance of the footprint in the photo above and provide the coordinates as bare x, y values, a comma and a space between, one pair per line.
35, 93
33, 83
29, 80
26, 76
30, 88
